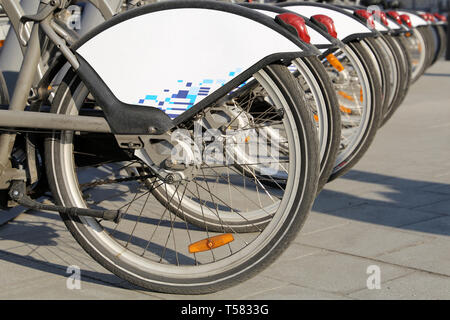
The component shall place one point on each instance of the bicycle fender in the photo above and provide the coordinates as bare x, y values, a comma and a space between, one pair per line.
348, 27
176, 55
378, 25
394, 25
319, 38
416, 19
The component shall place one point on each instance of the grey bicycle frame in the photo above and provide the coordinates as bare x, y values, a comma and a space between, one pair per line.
11, 55
126, 121
15, 116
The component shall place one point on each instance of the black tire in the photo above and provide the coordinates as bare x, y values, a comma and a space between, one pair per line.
334, 122
374, 116
316, 71
401, 41
404, 76
442, 41
384, 68
429, 44
199, 283
416, 33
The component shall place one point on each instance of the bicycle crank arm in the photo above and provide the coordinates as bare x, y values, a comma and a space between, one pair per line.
18, 194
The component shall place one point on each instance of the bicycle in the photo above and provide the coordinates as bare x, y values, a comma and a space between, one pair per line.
99, 134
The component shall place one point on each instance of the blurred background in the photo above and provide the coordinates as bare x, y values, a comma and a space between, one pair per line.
427, 5
440, 6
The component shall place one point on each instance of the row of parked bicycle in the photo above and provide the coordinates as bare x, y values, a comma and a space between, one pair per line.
184, 142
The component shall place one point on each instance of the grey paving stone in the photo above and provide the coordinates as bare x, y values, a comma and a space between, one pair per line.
294, 292
356, 183
432, 255
329, 271
31, 266
407, 182
382, 215
47, 249
442, 207
438, 188
417, 285
10, 214
439, 226
17, 270
55, 288
33, 224
329, 200
318, 222
297, 251
362, 239
55, 260
255, 285
402, 198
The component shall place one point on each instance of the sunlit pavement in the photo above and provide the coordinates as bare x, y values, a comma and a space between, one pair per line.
387, 219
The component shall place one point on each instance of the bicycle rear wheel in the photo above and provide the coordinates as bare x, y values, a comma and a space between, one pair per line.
358, 88
416, 46
404, 75
384, 66
156, 249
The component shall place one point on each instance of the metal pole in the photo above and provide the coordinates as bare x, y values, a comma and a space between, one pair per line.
21, 92
51, 121
11, 54
91, 17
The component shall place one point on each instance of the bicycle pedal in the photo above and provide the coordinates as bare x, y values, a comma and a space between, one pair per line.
18, 194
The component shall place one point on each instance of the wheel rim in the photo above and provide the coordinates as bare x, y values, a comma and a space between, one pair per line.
353, 126
95, 229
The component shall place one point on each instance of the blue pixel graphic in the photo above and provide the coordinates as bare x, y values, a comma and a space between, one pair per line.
175, 101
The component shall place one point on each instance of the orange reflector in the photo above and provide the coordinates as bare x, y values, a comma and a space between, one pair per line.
408, 34
360, 95
211, 243
345, 110
1, 43
316, 117
419, 47
247, 139
346, 96
335, 62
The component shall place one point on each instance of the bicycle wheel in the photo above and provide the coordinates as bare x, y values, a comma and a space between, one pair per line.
440, 38
380, 59
158, 250
402, 58
321, 100
415, 44
429, 44
359, 92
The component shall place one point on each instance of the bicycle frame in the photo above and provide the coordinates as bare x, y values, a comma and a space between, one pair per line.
15, 116
12, 52
122, 118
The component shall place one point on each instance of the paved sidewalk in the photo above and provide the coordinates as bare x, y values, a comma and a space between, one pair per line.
392, 211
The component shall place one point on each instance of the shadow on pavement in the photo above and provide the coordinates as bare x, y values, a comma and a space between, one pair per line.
437, 74
104, 279
25, 232
401, 190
